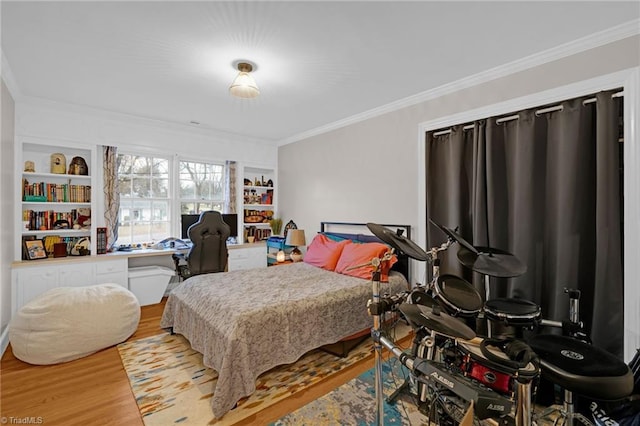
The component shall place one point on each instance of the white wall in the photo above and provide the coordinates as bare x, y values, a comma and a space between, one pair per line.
370, 171
6, 207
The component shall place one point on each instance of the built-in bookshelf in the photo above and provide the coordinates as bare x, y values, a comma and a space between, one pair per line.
259, 203
55, 193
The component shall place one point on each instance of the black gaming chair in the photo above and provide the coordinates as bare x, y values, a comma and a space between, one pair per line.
209, 238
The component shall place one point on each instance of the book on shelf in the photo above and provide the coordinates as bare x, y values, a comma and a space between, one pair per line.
55, 192
46, 220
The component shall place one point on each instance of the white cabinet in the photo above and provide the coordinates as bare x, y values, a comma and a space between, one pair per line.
75, 275
112, 271
29, 281
247, 257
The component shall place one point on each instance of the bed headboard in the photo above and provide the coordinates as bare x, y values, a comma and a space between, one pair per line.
360, 232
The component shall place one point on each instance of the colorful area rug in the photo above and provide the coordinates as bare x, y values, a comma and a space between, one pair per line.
171, 385
354, 403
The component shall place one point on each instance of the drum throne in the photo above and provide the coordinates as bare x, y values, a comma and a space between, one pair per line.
580, 368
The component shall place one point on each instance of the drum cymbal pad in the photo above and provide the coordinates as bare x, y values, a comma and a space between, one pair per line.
492, 262
434, 319
399, 242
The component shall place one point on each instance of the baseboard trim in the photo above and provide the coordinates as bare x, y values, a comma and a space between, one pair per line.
4, 341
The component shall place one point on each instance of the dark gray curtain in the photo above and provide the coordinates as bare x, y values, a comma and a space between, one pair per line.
546, 188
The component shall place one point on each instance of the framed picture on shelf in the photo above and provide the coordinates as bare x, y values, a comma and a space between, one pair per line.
35, 249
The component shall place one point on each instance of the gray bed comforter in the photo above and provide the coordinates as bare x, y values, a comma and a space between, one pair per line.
247, 322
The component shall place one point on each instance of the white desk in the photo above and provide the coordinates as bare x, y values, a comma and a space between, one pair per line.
29, 278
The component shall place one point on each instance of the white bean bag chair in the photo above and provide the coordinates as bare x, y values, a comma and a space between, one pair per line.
68, 323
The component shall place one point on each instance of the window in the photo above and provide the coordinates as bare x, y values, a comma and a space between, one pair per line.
144, 198
148, 205
201, 187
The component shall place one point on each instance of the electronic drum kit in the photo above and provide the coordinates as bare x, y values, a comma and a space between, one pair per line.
455, 372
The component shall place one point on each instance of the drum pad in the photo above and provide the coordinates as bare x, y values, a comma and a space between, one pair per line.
582, 368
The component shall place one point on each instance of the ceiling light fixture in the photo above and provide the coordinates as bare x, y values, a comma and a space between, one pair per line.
244, 86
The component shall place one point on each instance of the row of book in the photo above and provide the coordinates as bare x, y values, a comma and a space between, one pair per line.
56, 192
46, 220
258, 234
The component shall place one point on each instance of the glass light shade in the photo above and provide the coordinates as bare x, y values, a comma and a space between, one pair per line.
244, 86
280, 257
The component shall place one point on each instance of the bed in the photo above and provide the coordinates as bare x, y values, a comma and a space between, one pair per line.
247, 322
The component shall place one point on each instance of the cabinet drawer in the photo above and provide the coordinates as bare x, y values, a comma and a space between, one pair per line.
111, 266
75, 275
238, 254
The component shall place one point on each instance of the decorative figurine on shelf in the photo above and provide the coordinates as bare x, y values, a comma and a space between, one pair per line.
58, 163
81, 247
251, 234
29, 166
290, 225
61, 224
83, 220
78, 167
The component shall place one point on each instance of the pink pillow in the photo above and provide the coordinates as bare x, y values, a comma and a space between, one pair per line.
324, 252
359, 254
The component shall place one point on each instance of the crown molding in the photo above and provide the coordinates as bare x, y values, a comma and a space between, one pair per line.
142, 121
601, 38
8, 78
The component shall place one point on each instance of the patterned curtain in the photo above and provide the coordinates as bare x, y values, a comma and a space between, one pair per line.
230, 187
111, 193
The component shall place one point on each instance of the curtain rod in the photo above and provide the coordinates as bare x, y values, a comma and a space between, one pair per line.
538, 112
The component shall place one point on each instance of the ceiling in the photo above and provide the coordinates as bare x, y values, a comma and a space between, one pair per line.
317, 62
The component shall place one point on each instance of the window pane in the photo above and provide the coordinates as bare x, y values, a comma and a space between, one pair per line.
142, 165
124, 185
160, 188
140, 232
141, 210
124, 232
141, 187
201, 181
160, 167
159, 230
197, 207
124, 164
142, 180
187, 189
187, 208
125, 211
160, 211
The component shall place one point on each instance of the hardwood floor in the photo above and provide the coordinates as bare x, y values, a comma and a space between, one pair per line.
89, 391
95, 390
